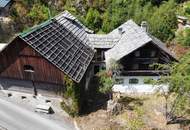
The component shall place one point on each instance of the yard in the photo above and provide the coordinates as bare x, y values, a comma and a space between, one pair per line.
145, 112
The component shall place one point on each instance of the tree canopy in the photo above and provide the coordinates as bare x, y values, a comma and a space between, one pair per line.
102, 15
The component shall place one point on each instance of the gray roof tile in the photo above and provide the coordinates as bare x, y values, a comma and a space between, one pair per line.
103, 41
133, 38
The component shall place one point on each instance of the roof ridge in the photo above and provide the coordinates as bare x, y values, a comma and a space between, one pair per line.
34, 28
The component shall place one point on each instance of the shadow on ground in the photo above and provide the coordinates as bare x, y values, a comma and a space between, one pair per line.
94, 100
180, 120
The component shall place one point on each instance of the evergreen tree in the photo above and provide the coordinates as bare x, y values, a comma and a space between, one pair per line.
163, 21
93, 19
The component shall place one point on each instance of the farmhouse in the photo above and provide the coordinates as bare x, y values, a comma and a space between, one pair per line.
63, 46
135, 50
47, 52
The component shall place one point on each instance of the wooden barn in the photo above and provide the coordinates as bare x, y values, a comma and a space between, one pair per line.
47, 52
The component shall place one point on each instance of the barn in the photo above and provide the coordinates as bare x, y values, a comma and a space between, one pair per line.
47, 52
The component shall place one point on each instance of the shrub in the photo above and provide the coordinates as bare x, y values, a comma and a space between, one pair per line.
183, 37
72, 95
134, 120
106, 82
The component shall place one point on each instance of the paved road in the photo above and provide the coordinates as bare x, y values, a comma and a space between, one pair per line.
13, 117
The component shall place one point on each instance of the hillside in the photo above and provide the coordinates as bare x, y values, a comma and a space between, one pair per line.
99, 15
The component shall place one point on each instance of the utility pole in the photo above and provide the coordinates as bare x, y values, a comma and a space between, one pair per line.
31, 72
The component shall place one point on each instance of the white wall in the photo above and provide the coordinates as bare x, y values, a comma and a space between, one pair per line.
140, 87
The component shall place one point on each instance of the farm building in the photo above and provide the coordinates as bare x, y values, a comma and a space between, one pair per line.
47, 52
135, 50
64, 46
101, 43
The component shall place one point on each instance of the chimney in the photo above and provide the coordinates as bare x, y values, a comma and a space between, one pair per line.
144, 26
120, 30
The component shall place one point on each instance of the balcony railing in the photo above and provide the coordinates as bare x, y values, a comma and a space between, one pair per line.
144, 72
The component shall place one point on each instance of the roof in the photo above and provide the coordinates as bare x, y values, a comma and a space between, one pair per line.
132, 38
2, 46
4, 3
103, 41
161, 45
63, 43
73, 25
69, 16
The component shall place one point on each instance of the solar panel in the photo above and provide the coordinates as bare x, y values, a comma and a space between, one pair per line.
62, 48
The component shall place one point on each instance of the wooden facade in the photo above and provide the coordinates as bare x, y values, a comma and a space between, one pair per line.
140, 62
18, 54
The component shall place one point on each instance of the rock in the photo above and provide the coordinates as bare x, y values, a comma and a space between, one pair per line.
114, 107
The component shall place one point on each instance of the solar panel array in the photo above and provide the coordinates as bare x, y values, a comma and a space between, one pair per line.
62, 48
73, 25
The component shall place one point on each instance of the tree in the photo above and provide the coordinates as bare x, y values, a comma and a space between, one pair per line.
163, 22
38, 13
179, 86
106, 82
93, 19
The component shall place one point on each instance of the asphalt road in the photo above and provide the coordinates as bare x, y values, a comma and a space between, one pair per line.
14, 117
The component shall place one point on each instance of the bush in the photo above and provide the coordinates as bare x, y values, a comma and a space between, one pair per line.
134, 120
106, 82
38, 13
183, 37
71, 110
72, 96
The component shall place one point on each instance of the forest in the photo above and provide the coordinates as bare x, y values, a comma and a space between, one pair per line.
100, 15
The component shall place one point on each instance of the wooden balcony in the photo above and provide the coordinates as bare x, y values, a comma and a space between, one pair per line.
144, 72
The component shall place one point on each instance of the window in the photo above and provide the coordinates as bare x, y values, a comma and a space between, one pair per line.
153, 54
135, 66
28, 68
133, 81
119, 81
137, 54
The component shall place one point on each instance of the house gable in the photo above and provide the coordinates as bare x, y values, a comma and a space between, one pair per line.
18, 54
140, 62
64, 43
132, 38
